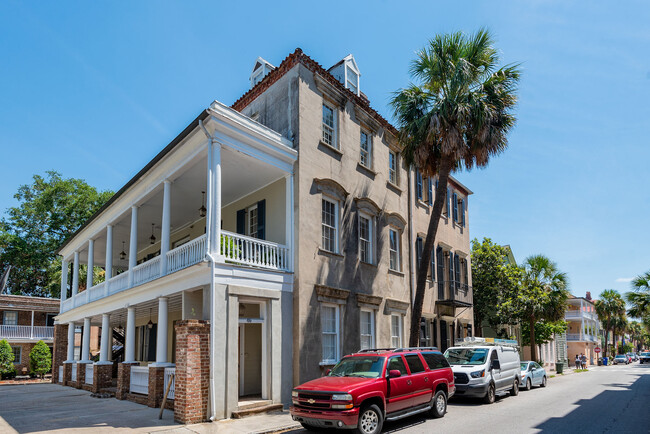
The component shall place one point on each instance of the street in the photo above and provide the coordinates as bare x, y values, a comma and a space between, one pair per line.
604, 399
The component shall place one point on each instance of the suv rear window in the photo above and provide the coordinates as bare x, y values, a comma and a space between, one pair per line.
414, 362
435, 360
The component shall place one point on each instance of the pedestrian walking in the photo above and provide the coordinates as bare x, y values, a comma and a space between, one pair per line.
584, 362
577, 361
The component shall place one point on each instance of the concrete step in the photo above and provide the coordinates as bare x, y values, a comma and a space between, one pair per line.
255, 408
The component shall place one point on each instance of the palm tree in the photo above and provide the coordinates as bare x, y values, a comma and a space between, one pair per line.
609, 307
639, 298
458, 116
543, 296
619, 327
636, 334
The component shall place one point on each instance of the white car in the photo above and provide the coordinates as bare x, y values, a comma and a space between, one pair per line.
621, 358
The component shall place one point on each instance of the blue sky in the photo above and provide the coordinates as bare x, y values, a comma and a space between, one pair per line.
95, 89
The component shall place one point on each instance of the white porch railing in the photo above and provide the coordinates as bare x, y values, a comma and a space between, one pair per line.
139, 380
73, 375
90, 368
252, 251
96, 292
118, 283
147, 271
26, 332
572, 314
168, 375
61, 374
186, 255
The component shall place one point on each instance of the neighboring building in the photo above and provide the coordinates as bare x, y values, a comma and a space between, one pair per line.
583, 332
23, 322
290, 223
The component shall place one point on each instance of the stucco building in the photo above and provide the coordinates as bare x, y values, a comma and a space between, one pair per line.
282, 232
583, 329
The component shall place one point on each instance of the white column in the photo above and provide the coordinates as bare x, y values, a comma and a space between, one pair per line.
75, 274
85, 342
129, 344
107, 332
214, 199
91, 264
133, 244
289, 218
161, 338
70, 342
109, 252
32, 328
64, 280
166, 222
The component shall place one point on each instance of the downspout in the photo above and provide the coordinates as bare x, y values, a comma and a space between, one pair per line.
213, 388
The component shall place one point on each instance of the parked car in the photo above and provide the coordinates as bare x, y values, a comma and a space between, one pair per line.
532, 374
621, 358
644, 357
482, 371
367, 388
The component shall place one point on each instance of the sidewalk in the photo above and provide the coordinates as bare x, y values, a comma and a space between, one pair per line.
262, 424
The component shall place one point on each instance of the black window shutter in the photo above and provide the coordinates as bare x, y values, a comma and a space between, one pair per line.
418, 182
457, 270
462, 212
451, 269
441, 273
261, 219
454, 201
430, 197
465, 275
241, 222
433, 263
448, 204
418, 250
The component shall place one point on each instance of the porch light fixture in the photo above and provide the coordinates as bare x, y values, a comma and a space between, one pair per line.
203, 209
122, 253
149, 324
153, 237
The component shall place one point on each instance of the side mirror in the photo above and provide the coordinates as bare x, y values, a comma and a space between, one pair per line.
394, 373
495, 364
327, 372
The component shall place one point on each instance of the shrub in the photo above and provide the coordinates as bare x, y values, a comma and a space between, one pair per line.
6, 359
40, 359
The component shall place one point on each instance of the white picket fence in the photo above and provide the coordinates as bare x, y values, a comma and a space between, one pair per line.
139, 380
168, 375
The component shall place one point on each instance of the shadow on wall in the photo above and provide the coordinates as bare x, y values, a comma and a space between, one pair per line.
615, 410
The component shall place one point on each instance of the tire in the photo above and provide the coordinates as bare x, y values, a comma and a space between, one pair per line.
438, 405
543, 381
529, 384
309, 427
371, 420
515, 388
490, 395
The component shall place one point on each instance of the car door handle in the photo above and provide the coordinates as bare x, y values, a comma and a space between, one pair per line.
426, 379
409, 382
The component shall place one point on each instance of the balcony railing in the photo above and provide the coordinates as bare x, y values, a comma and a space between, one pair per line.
168, 376
26, 332
139, 380
245, 250
235, 248
454, 293
581, 338
90, 368
578, 314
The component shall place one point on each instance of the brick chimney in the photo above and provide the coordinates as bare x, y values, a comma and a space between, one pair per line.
588, 297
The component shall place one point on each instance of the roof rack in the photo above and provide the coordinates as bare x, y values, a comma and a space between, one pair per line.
474, 341
417, 349
375, 350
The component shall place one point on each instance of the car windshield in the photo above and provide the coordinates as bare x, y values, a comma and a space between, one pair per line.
524, 366
366, 367
620, 356
466, 356
645, 354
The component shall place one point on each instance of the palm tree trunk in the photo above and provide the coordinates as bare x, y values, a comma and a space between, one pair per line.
533, 347
441, 194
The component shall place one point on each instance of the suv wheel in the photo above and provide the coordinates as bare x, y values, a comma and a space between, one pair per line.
490, 396
438, 404
370, 420
515, 388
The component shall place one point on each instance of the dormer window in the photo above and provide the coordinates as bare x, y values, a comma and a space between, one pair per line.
260, 70
352, 80
347, 72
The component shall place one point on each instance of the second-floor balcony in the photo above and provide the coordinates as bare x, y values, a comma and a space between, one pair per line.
581, 337
454, 293
23, 332
220, 196
580, 314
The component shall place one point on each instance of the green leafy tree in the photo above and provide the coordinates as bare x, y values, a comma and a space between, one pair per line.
40, 359
636, 333
494, 281
6, 358
457, 116
50, 210
543, 295
544, 331
609, 307
639, 298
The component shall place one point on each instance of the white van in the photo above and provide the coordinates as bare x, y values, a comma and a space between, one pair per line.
482, 370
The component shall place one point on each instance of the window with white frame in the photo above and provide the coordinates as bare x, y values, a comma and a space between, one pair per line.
392, 167
396, 331
17, 354
352, 81
367, 318
330, 225
10, 318
365, 238
394, 249
329, 320
329, 126
251, 227
365, 159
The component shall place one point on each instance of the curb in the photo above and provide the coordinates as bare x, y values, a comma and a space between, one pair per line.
278, 429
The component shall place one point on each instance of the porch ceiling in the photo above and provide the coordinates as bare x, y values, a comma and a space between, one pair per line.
142, 311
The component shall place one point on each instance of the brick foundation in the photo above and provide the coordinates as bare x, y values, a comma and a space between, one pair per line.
102, 377
124, 379
156, 386
192, 371
60, 350
137, 398
67, 374
81, 376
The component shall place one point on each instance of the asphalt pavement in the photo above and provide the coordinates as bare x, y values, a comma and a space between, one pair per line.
611, 399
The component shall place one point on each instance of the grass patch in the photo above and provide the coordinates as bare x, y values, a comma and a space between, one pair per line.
553, 376
580, 370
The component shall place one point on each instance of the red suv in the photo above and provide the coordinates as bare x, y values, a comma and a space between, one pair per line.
371, 386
